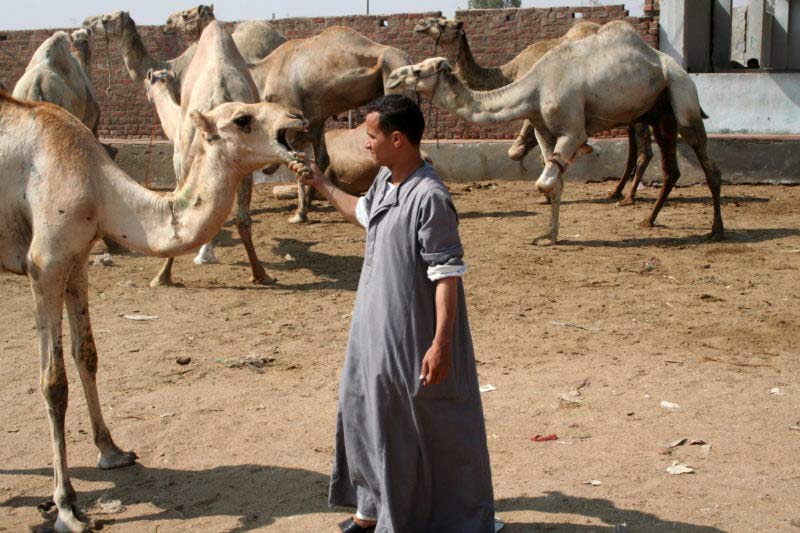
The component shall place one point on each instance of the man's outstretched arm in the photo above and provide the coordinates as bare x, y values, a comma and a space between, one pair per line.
308, 174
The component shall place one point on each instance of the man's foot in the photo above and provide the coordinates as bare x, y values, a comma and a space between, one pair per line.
356, 525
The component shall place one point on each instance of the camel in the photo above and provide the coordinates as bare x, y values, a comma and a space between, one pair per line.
217, 74
449, 34
337, 70
55, 75
60, 191
603, 81
255, 39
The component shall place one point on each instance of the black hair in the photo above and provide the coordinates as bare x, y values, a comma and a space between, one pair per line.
398, 113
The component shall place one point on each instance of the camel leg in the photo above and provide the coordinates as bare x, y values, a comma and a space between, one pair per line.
317, 134
524, 143
667, 138
205, 255
48, 281
555, 203
164, 276
84, 353
565, 151
243, 225
629, 165
695, 136
644, 147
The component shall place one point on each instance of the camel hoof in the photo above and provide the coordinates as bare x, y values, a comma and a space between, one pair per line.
160, 281
545, 240
613, 195
205, 257
116, 459
626, 202
646, 223
717, 235
298, 218
71, 520
266, 279
546, 200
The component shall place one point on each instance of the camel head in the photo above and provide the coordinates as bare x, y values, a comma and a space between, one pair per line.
110, 24
82, 42
164, 79
190, 22
250, 136
422, 77
442, 30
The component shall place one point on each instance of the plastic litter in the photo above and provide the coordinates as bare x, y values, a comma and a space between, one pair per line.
669, 405
678, 468
487, 388
544, 438
141, 318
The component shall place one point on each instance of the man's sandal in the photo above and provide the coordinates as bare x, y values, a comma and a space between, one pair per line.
350, 526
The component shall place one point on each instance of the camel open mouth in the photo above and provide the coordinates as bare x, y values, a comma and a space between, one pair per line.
283, 140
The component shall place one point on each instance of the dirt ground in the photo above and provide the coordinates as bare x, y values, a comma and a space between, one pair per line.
616, 319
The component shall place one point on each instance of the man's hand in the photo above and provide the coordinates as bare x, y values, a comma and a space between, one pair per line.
306, 171
435, 364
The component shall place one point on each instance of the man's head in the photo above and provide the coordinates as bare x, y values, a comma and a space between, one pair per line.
394, 126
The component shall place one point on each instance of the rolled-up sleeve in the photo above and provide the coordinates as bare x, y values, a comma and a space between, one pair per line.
438, 237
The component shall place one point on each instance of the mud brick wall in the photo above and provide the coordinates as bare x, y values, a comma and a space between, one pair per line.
495, 36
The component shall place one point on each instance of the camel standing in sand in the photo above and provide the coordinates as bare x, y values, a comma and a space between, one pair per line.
217, 74
332, 72
59, 191
255, 39
581, 87
55, 75
449, 34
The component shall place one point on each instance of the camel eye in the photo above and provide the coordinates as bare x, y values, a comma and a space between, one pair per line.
243, 122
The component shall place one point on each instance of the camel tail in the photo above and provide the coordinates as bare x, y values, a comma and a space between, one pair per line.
682, 94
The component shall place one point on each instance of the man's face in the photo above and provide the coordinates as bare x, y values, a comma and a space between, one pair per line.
380, 145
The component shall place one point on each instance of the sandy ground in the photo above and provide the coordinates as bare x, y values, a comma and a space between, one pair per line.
616, 318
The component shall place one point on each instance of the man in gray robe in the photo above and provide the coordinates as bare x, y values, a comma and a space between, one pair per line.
411, 450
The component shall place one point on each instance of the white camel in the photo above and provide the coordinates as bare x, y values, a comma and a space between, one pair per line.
581, 87
60, 191
217, 74
55, 75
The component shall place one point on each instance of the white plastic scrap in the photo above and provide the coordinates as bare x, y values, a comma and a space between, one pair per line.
593, 482
669, 405
678, 468
141, 318
110, 506
487, 388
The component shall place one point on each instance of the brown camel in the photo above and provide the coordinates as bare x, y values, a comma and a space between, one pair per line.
60, 191
332, 72
449, 35
581, 87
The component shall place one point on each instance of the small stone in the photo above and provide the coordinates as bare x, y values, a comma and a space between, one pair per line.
183, 360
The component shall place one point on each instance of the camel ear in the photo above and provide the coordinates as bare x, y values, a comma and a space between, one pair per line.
202, 123
211, 9
460, 24
149, 75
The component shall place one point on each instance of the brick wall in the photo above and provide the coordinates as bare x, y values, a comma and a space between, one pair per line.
495, 37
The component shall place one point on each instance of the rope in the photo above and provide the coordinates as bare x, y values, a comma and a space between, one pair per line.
108, 60
150, 150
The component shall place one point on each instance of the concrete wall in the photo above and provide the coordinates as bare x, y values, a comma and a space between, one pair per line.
740, 159
751, 102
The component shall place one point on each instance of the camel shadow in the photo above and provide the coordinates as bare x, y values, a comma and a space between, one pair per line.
737, 236
724, 200
337, 271
496, 214
556, 502
254, 494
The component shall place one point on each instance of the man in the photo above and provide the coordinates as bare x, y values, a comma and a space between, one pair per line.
411, 449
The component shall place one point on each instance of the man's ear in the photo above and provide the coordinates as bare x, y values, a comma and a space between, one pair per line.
397, 139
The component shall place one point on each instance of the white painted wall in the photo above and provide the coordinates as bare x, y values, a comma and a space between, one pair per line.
752, 102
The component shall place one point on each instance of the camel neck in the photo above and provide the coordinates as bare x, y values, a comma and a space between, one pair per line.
474, 75
137, 59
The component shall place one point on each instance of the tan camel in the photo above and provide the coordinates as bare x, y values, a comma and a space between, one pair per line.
255, 39
581, 87
118, 27
55, 75
217, 74
60, 191
332, 72
449, 34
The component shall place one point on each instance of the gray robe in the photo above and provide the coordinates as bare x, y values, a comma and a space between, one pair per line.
414, 456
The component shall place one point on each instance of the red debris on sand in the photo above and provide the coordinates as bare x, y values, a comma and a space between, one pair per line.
544, 438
